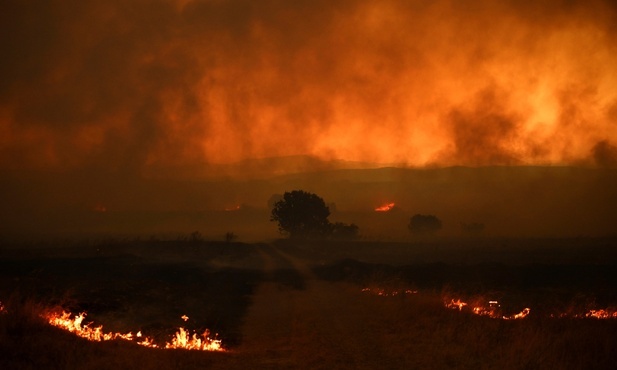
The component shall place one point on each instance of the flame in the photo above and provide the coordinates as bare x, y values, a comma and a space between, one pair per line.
458, 304
182, 339
385, 208
233, 208
595, 314
388, 293
492, 310
602, 314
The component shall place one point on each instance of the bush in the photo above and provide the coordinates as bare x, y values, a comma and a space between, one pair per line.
424, 224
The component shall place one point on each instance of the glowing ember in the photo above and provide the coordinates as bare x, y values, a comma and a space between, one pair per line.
388, 293
2, 309
491, 311
184, 317
385, 207
458, 304
602, 314
182, 339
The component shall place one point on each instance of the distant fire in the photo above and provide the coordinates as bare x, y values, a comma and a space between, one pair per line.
389, 293
233, 208
385, 207
182, 339
594, 314
491, 310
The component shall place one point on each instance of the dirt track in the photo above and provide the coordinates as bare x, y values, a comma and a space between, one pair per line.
306, 322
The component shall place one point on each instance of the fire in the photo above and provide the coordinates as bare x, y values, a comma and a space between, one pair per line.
389, 293
385, 207
233, 208
458, 304
594, 314
602, 314
492, 310
182, 339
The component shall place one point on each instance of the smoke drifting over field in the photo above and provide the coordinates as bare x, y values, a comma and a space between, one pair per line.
126, 115
146, 84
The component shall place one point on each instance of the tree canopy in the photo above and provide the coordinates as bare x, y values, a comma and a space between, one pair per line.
424, 224
302, 214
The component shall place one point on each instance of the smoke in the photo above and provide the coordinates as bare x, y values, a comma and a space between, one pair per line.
128, 86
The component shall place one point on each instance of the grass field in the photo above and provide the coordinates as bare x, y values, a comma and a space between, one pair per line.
318, 305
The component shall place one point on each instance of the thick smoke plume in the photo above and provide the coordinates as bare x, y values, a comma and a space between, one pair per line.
132, 85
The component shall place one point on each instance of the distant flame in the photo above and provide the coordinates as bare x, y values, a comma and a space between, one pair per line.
385, 207
458, 304
492, 310
182, 339
388, 293
233, 208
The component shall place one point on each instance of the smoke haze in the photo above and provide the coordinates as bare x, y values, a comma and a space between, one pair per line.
132, 85
129, 115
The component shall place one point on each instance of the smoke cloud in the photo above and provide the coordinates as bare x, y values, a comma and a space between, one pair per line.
161, 83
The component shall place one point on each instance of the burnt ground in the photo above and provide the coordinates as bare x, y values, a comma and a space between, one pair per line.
299, 305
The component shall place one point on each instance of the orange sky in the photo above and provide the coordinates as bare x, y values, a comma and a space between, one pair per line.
132, 85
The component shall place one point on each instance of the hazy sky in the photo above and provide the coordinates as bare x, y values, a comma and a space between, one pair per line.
120, 84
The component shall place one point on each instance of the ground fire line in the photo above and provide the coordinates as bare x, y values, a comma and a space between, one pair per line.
492, 310
182, 339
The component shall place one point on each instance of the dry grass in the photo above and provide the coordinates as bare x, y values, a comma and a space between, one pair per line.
313, 321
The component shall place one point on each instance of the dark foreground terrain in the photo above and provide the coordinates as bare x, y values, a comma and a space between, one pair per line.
345, 305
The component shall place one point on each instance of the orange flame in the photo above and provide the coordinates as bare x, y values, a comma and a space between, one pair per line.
458, 304
182, 339
602, 314
490, 311
385, 293
385, 207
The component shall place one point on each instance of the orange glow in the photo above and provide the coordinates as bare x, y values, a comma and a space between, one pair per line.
387, 83
99, 208
389, 293
458, 304
182, 339
492, 310
233, 208
385, 207
602, 314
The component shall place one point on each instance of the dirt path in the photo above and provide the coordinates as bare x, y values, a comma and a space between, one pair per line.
312, 324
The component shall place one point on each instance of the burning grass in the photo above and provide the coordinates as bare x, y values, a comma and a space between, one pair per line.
347, 315
182, 339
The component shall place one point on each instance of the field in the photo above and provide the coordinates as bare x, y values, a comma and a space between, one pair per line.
315, 305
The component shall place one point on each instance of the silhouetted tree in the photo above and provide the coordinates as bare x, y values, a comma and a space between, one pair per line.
339, 230
301, 215
424, 224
